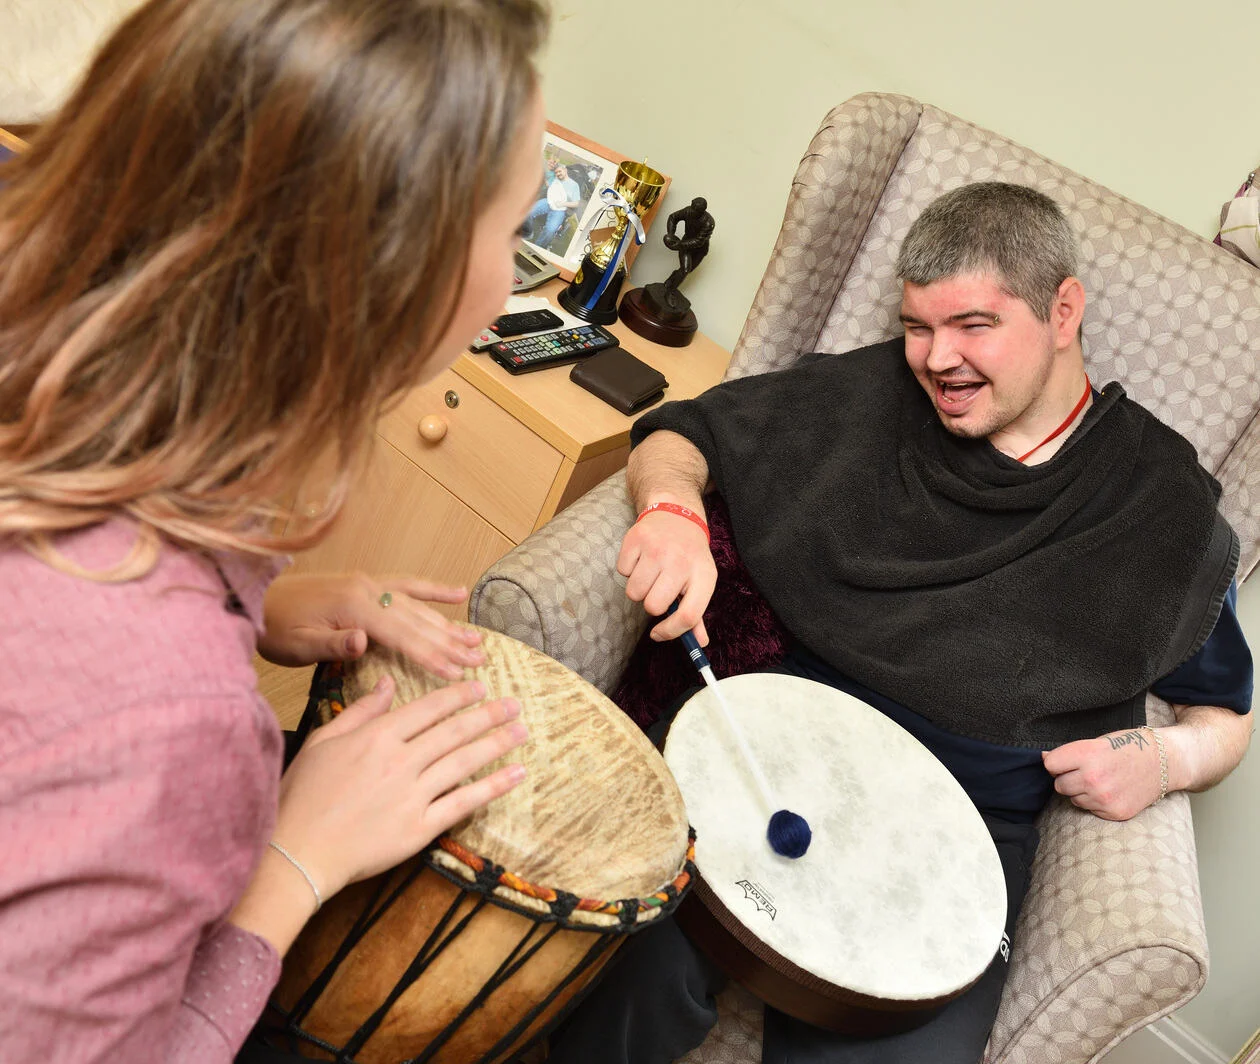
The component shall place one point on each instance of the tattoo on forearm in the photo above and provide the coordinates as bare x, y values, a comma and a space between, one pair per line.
1129, 738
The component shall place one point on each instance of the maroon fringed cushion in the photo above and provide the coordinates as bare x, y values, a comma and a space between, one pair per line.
744, 634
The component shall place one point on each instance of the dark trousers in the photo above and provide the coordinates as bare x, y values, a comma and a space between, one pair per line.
657, 1000
257, 1052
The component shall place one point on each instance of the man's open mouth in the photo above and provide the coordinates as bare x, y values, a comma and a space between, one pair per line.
954, 397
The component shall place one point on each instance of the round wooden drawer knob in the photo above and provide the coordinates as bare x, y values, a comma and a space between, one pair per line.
432, 427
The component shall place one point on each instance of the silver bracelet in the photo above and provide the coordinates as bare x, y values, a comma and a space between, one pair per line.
305, 874
1163, 762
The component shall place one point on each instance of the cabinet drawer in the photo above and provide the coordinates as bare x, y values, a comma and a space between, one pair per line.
476, 450
397, 521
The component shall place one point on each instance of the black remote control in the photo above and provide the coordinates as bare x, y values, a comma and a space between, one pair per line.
527, 321
551, 349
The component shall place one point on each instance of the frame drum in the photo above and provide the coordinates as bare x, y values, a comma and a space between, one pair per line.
899, 904
470, 950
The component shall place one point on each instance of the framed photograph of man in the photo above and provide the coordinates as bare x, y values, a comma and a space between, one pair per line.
567, 206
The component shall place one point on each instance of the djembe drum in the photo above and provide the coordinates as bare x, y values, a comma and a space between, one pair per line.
899, 904
470, 950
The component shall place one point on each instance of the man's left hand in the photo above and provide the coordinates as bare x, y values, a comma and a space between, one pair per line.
1115, 776
331, 617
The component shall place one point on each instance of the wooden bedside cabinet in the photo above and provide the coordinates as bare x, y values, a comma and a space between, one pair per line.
471, 463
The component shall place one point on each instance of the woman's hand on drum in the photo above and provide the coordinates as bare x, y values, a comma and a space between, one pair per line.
665, 556
332, 617
371, 788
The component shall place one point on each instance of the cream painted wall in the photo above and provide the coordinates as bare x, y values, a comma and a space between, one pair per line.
724, 95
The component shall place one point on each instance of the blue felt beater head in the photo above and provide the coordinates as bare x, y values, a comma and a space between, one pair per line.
789, 834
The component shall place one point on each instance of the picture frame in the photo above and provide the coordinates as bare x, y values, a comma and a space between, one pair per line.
553, 229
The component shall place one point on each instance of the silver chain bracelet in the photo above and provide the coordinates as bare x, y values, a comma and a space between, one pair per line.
305, 874
1163, 762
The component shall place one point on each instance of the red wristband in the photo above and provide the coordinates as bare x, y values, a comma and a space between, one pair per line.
681, 511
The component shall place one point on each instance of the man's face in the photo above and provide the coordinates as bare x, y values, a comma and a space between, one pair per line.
981, 355
562, 172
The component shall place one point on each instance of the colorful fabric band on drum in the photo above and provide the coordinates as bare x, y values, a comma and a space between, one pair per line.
452, 860
568, 908
327, 697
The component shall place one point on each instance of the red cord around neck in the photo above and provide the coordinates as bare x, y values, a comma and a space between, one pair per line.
1080, 405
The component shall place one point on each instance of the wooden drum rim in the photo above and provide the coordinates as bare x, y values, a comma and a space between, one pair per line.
778, 982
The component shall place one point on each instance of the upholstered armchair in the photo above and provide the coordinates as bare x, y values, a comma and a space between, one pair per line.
1111, 935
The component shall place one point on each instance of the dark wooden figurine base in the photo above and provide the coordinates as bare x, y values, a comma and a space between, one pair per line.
643, 317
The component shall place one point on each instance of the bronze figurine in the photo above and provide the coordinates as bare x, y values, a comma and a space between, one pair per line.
659, 311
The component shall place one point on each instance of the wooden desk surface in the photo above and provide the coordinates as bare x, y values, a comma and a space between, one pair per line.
570, 418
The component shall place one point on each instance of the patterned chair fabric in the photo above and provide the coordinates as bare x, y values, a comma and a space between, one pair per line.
1111, 935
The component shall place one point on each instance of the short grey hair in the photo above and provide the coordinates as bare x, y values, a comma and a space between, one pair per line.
1012, 232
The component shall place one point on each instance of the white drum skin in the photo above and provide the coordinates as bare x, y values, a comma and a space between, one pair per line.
901, 895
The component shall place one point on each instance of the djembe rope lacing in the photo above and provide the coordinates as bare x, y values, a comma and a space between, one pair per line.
489, 881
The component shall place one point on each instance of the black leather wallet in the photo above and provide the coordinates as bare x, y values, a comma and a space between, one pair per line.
620, 379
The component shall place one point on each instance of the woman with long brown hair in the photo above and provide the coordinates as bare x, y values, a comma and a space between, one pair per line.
253, 225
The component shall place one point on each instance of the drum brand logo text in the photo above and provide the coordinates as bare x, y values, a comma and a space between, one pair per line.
759, 896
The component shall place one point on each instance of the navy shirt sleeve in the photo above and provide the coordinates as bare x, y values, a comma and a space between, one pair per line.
1221, 673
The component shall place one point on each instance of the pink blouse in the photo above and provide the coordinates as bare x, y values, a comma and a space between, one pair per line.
139, 770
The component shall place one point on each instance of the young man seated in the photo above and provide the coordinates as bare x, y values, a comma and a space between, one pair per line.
957, 528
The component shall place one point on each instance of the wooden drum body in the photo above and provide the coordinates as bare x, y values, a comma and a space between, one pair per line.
468, 951
899, 904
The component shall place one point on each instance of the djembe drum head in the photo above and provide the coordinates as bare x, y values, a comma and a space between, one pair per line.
468, 951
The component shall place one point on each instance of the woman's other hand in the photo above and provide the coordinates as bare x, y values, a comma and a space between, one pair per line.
332, 617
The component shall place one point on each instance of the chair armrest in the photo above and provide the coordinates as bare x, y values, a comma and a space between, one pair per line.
559, 591
1110, 937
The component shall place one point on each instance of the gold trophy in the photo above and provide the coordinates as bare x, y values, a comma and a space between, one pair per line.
592, 294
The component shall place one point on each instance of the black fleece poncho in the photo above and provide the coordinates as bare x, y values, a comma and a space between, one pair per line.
1024, 605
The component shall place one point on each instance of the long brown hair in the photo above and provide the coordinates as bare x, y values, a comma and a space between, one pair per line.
233, 245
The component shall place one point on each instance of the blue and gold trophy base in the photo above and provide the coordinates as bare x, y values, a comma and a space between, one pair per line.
589, 298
